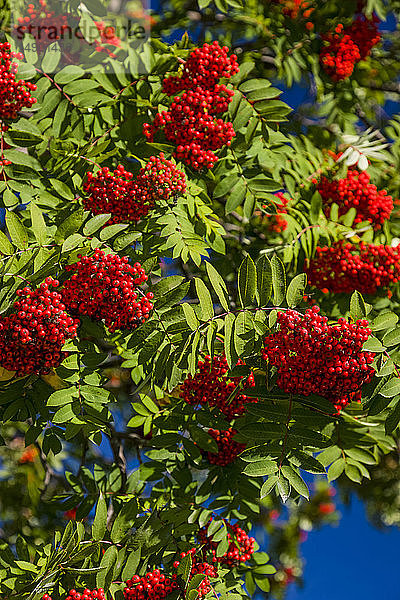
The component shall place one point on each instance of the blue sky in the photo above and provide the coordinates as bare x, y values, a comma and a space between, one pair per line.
353, 561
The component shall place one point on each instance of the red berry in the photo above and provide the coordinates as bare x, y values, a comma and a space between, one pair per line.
337, 367
356, 191
240, 548
228, 448
105, 288
345, 267
128, 199
32, 336
211, 387
14, 95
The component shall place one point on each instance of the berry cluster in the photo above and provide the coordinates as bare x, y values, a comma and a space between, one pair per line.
204, 67
240, 549
32, 336
345, 267
228, 448
364, 32
295, 9
107, 36
97, 594
43, 24
211, 387
355, 190
29, 456
192, 122
128, 199
105, 288
337, 367
157, 586
348, 45
340, 55
153, 586
14, 95
276, 222
199, 568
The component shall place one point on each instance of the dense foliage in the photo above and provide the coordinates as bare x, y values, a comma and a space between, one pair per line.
199, 296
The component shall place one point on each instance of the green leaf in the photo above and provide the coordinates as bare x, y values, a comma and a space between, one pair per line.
386, 321
336, 469
18, 233
296, 481
261, 468
392, 338
393, 419
391, 388
247, 281
357, 306
218, 285
38, 224
278, 280
296, 289
6, 246
206, 304
269, 485
104, 577
264, 280
95, 223
69, 226
185, 568
131, 565
100, 520
51, 58
125, 520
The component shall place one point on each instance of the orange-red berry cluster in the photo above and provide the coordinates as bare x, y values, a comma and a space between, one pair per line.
345, 267
105, 288
153, 586
157, 586
14, 95
336, 366
211, 387
32, 336
193, 121
128, 199
199, 568
228, 448
107, 36
96, 594
240, 549
346, 46
356, 191
295, 9
43, 24
276, 222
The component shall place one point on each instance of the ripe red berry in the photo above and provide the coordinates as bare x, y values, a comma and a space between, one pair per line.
128, 199
211, 387
204, 67
345, 267
240, 548
86, 594
192, 122
200, 568
228, 448
14, 95
105, 288
347, 46
356, 191
32, 336
313, 357
276, 222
